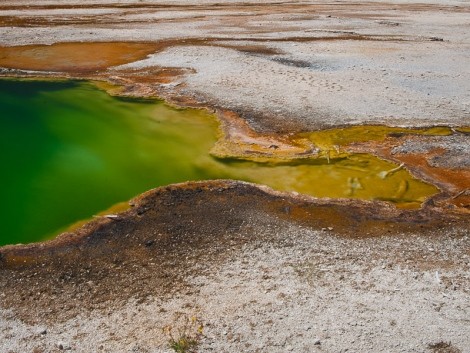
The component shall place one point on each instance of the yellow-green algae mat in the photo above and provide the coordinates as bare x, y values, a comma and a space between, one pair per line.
70, 150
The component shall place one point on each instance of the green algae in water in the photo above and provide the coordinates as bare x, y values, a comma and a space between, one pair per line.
69, 150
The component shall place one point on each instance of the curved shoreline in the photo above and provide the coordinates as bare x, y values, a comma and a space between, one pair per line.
209, 248
378, 215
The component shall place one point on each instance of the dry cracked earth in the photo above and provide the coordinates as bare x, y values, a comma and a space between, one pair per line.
260, 270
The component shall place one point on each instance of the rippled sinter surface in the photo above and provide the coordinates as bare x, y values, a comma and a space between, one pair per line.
69, 150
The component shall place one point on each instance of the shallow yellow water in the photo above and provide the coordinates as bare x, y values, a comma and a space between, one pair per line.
359, 176
332, 138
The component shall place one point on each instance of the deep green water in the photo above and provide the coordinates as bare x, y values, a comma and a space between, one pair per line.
68, 150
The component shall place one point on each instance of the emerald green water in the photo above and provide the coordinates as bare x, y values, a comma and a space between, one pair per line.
69, 151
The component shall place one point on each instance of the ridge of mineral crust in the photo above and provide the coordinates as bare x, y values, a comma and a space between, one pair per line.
224, 250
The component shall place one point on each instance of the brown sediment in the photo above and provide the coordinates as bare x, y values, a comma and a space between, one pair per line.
108, 19
140, 83
240, 141
184, 205
275, 6
454, 182
341, 37
110, 213
73, 57
80, 58
155, 75
252, 49
158, 243
239, 10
